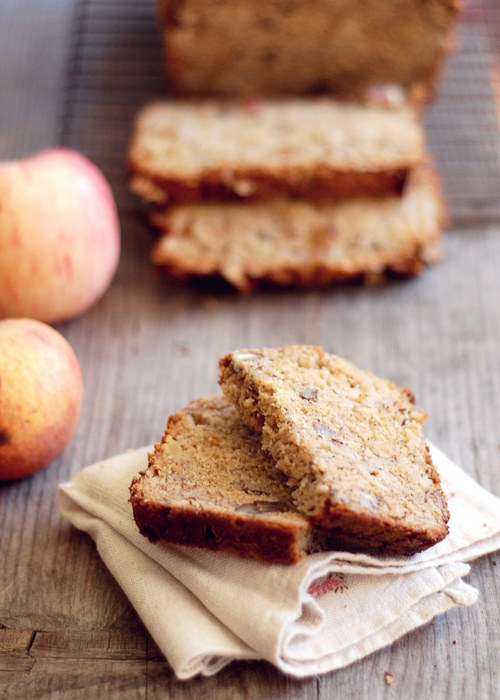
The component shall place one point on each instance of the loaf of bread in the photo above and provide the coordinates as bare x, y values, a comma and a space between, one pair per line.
293, 47
285, 242
349, 442
184, 151
209, 484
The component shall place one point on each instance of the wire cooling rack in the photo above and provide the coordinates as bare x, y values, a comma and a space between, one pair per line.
115, 65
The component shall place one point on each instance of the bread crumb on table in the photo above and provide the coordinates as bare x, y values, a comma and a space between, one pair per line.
388, 678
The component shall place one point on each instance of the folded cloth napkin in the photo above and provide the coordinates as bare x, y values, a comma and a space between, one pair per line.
205, 609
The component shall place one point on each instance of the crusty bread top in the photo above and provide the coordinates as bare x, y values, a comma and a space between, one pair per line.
350, 441
296, 242
188, 150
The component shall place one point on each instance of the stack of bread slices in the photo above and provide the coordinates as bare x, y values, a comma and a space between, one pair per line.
260, 185
291, 192
303, 452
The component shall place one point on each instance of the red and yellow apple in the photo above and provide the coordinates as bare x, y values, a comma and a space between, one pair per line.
59, 235
41, 391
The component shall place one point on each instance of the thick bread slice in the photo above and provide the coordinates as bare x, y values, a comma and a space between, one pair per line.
349, 442
236, 47
208, 484
288, 242
210, 150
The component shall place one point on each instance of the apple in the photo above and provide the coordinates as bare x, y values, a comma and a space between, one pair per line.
41, 392
59, 236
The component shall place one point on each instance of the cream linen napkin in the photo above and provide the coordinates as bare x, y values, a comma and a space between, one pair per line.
205, 609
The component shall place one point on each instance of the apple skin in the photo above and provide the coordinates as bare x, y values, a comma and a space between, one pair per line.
41, 391
59, 236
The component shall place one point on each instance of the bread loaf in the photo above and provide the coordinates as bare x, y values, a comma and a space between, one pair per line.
293, 47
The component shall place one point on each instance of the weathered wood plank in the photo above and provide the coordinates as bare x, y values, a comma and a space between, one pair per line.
14, 650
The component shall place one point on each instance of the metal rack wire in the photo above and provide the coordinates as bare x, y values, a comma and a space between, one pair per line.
463, 122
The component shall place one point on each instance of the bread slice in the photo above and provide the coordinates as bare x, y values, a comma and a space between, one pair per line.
349, 442
234, 47
286, 242
212, 150
209, 484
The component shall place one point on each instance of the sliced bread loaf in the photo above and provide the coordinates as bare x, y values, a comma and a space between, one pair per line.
289, 242
234, 47
209, 484
314, 148
349, 442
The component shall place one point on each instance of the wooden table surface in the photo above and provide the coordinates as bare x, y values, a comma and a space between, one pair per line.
74, 72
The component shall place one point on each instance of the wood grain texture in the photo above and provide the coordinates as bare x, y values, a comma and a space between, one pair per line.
75, 72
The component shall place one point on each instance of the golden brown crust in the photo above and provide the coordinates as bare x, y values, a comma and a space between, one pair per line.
251, 184
313, 274
223, 532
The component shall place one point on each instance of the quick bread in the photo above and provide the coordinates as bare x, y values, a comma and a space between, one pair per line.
349, 442
286, 242
293, 47
209, 484
186, 151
